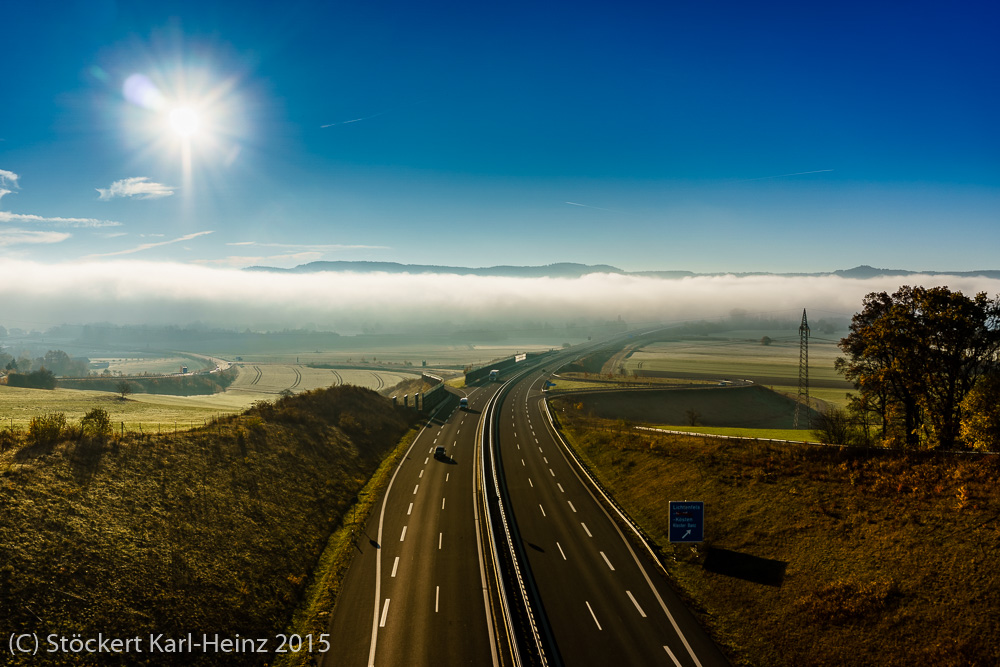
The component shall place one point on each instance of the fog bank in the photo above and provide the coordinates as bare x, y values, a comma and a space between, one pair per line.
38, 296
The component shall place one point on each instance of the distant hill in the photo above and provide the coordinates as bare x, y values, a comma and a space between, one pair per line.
562, 270
572, 270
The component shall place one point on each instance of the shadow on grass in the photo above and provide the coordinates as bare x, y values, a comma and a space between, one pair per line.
744, 566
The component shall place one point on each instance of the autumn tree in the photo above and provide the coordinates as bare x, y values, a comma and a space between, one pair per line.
981, 414
124, 388
915, 355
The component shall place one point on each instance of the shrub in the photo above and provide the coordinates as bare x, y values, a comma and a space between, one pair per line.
46, 429
96, 423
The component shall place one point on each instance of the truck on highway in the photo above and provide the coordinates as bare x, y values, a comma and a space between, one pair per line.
493, 375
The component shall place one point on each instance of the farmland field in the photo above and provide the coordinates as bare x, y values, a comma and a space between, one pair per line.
159, 365
731, 357
160, 412
443, 355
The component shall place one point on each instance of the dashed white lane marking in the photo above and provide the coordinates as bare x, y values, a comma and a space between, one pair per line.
441, 537
553, 474
395, 564
415, 489
560, 487
672, 656
594, 616
385, 610
571, 506
442, 503
539, 449
403, 535
586, 529
437, 597
607, 561
522, 462
632, 598
420, 475
544, 458
426, 460
543, 510
446, 476
529, 482
409, 509
561, 551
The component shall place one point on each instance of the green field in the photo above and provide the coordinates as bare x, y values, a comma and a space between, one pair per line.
737, 355
751, 407
162, 413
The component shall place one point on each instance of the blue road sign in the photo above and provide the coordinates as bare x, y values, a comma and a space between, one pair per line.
687, 521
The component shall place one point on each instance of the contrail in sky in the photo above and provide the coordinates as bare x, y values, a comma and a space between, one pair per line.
798, 173
610, 210
355, 120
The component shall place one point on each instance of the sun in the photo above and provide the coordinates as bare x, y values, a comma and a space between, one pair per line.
185, 122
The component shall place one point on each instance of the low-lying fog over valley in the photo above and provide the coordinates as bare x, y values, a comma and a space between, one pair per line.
136, 292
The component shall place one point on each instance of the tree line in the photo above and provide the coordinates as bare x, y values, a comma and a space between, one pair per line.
56, 361
924, 362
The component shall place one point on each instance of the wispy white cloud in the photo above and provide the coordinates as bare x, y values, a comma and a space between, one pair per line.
12, 237
138, 187
8, 178
147, 246
313, 247
6, 216
3, 192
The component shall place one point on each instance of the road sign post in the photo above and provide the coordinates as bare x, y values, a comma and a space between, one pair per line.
687, 521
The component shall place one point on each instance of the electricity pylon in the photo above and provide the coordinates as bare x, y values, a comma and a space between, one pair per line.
803, 398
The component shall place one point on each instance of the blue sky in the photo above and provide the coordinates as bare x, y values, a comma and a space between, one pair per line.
704, 136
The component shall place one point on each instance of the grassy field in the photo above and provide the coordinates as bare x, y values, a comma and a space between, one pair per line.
212, 530
161, 413
818, 556
160, 365
732, 357
444, 355
749, 406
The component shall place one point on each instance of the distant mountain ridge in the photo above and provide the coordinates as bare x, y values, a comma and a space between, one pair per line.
574, 270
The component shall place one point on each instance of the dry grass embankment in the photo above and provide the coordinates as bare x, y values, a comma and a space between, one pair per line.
887, 559
214, 530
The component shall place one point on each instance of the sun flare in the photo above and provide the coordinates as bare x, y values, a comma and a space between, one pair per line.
185, 122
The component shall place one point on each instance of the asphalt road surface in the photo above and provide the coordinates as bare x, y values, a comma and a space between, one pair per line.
419, 593
606, 603
414, 594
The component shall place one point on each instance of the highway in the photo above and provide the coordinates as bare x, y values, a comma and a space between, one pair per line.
415, 592
605, 602
423, 588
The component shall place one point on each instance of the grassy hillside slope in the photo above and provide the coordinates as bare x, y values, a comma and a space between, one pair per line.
212, 530
817, 555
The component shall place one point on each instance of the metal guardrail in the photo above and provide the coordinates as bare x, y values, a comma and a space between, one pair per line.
514, 558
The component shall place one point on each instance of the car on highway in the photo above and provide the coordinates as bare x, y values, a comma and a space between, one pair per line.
463, 403
439, 452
